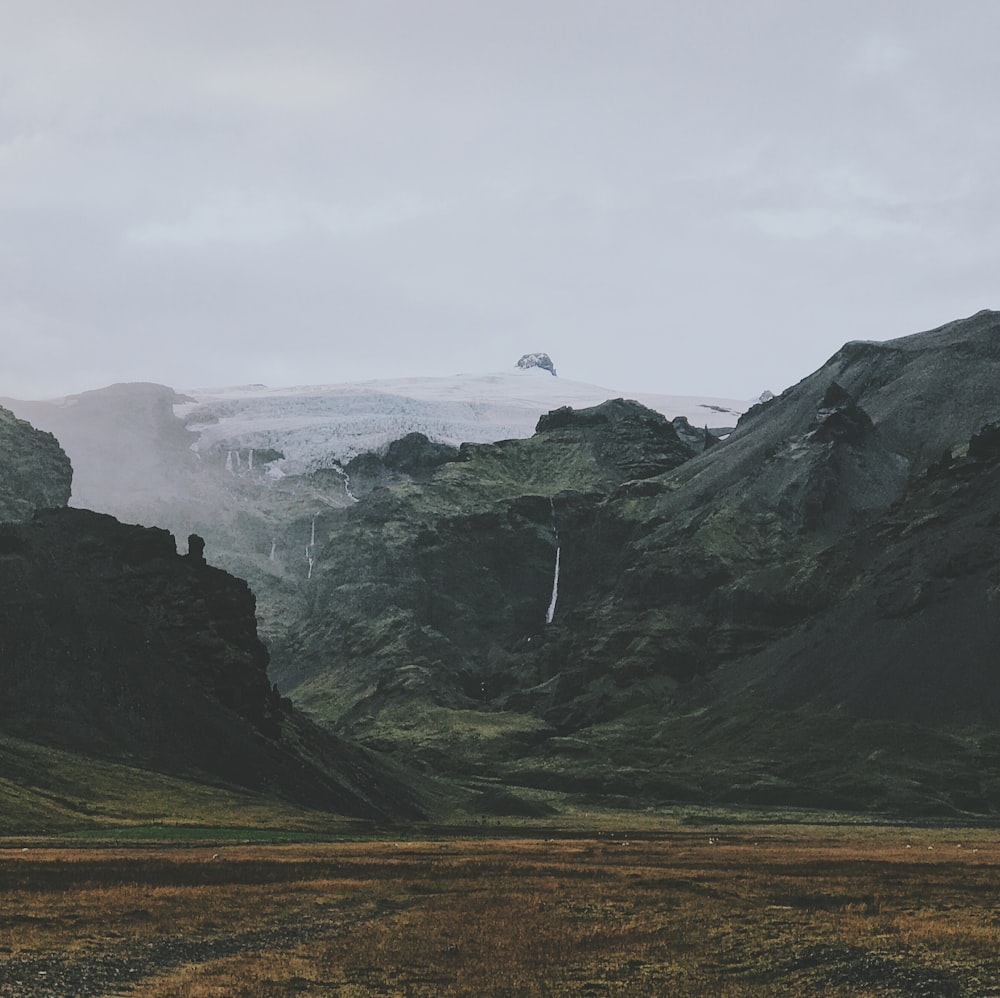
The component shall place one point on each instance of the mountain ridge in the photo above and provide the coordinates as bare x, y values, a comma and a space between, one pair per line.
618, 608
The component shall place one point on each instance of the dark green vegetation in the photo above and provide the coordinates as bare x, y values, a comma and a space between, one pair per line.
655, 908
804, 614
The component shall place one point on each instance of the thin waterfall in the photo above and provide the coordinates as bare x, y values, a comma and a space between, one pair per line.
310, 547
347, 482
551, 612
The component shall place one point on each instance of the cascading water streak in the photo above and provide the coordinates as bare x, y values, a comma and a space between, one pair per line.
310, 547
347, 482
551, 612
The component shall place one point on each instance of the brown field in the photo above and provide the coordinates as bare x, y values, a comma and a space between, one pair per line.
771, 910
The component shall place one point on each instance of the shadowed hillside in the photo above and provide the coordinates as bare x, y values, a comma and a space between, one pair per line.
114, 645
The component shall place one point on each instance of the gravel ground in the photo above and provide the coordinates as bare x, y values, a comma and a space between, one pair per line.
123, 967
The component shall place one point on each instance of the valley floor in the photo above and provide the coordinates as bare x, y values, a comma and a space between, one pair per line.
724, 910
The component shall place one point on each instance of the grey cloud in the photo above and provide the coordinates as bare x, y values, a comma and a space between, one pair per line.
666, 197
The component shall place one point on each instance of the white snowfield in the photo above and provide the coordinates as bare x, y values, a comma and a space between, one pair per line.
318, 426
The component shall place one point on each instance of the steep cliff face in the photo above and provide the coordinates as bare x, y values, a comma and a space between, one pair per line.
35, 472
626, 438
444, 590
113, 644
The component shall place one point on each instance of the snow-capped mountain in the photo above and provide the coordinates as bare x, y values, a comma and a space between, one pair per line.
315, 426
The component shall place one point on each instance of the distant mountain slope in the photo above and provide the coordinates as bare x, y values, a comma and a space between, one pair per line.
719, 545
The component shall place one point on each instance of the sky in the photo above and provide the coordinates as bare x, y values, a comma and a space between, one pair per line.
671, 196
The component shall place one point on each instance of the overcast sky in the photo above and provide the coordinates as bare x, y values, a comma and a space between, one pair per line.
666, 196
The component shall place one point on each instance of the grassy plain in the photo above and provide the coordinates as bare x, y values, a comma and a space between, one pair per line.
662, 907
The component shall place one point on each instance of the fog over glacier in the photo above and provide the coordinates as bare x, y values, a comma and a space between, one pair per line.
675, 198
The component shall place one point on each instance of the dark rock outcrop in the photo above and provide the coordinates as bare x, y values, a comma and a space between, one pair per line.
416, 455
35, 472
112, 644
840, 419
636, 441
413, 457
698, 440
984, 445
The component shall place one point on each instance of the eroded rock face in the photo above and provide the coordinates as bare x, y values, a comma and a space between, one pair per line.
697, 438
636, 441
109, 635
413, 457
35, 472
113, 644
441, 592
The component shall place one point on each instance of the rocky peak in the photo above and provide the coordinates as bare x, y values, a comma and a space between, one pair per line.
637, 441
417, 455
839, 419
413, 457
542, 360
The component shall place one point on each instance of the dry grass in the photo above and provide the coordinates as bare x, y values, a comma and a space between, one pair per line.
765, 911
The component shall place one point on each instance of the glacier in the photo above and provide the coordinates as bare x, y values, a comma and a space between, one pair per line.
322, 426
